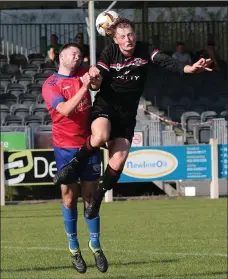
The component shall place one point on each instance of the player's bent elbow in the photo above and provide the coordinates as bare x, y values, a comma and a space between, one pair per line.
62, 109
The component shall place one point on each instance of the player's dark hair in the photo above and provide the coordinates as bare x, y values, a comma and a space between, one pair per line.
119, 23
180, 43
68, 45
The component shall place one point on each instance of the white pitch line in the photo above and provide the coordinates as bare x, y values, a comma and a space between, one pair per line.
150, 252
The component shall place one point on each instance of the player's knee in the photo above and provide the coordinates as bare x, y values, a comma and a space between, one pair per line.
99, 139
68, 202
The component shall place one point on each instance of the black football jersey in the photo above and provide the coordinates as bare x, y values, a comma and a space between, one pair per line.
124, 77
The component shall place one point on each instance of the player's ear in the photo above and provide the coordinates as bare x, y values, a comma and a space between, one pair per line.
115, 40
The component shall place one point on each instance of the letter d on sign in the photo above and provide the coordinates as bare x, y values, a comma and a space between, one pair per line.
36, 171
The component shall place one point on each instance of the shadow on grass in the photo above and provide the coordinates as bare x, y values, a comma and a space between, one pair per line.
48, 268
31, 216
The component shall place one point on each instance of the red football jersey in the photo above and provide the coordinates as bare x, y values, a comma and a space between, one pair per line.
71, 131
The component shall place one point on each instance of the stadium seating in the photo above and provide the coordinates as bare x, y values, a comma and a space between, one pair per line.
29, 69
23, 79
32, 121
208, 115
4, 111
10, 69
19, 110
13, 120
8, 99
15, 89
26, 99
34, 88
39, 110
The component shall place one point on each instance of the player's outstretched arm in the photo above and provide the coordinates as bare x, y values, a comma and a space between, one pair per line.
200, 66
174, 65
67, 107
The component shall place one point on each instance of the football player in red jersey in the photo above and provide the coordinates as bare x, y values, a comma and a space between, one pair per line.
123, 66
66, 94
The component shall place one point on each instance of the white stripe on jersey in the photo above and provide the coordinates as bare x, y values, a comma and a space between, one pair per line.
152, 56
103, 66
128, 65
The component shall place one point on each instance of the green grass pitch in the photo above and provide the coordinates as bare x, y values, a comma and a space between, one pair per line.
141, 239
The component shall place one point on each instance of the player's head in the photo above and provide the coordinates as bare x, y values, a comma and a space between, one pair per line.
180, 47
70, 56
79, 39
54, 39
123, 33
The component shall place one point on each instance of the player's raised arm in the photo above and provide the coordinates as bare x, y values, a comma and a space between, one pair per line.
173, 65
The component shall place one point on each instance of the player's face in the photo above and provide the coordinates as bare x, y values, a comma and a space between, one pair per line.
125, 38
71, 58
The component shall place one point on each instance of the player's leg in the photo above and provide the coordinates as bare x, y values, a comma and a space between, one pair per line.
70, 216
121, 135
118, 152
100, 133
89, 184
69, 210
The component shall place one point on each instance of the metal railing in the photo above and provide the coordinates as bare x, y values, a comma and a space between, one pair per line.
27, 38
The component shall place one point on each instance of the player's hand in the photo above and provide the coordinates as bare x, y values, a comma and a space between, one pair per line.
94, 72
96, 82
51, 54
86, 80
200, 66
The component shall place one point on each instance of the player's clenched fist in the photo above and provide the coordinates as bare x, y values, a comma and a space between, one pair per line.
94, 72
86, 79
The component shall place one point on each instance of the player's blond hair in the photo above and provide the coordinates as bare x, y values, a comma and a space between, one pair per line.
119, 23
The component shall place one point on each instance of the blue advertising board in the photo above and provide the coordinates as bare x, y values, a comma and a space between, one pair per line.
223, 161
144, 164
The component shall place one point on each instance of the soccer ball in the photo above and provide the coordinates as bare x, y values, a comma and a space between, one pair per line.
104, 21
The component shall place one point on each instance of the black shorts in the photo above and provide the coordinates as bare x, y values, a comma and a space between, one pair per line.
122, 121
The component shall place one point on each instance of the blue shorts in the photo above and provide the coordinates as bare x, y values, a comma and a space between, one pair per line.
92, 171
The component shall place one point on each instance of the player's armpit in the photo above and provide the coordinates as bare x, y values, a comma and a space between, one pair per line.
167, 62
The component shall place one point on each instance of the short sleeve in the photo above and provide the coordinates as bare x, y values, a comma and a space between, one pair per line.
52, 95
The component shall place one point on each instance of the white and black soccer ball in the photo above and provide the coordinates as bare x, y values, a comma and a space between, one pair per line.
105, 20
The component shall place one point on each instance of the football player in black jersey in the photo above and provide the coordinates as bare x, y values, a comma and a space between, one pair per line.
123, 68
